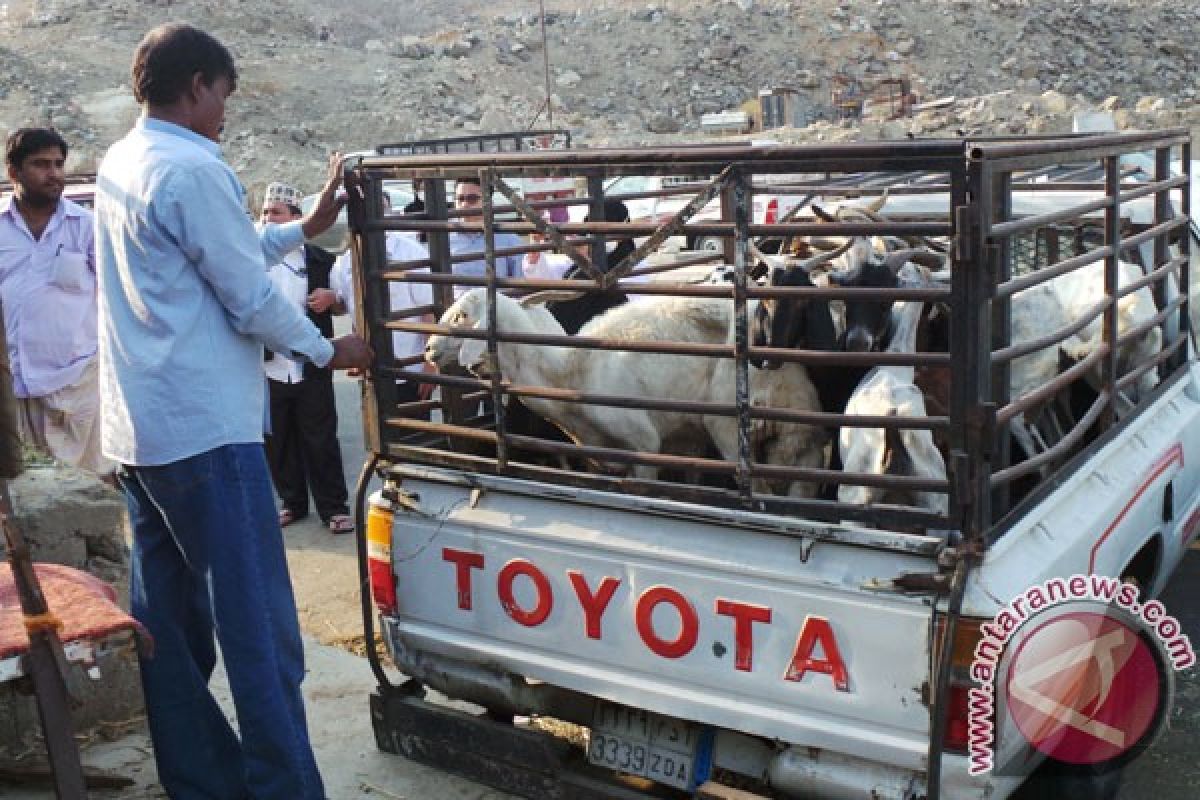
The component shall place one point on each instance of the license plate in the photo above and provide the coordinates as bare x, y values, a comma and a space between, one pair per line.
649, 745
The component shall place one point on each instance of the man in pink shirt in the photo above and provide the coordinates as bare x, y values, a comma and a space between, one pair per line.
48, 290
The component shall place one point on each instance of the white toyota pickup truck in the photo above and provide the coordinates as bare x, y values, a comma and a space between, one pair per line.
618, 635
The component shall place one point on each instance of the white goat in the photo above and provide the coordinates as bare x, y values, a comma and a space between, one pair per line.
650, 376
1043, 309
891, 391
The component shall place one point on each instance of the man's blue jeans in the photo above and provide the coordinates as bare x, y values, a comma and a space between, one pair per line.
208, 557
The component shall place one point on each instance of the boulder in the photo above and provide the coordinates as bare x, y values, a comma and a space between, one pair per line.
662, 123
807, 79
1053, 102
68, 516
1151, 103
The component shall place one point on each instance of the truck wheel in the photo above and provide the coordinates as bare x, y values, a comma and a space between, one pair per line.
1056, 781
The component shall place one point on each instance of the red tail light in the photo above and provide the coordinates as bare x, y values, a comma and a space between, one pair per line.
379, 558
958, 700
957, 727
772, 212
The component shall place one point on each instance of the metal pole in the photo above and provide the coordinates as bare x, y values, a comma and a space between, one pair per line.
44, 661
546, 64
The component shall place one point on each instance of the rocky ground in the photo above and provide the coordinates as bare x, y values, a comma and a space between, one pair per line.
317, 75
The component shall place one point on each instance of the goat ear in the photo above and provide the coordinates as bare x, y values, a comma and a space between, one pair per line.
472, 352
896, 261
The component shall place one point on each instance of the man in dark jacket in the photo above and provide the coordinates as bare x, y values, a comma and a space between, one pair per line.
302, 447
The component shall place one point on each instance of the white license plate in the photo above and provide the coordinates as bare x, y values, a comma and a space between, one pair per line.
645, 744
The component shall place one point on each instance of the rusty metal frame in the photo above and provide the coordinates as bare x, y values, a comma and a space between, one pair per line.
672, 226
1100, 419
976, 224
542, 226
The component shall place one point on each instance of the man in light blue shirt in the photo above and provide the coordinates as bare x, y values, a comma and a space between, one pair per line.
468, 196
186, 308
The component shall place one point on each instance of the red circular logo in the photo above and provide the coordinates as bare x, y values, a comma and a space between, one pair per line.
1084, 687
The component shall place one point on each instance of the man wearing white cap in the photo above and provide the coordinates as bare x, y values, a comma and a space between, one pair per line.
302, 446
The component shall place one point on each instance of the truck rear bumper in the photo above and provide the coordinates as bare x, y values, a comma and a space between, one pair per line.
537, 765
533, 764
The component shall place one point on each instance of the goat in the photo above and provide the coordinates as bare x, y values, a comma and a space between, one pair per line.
647, 375
792, 322
771, 442
1036, 312
637, 374
891, 391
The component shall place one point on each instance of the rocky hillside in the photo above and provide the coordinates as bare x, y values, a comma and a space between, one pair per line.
318, 75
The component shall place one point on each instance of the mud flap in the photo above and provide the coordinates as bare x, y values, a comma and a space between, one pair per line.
523, 762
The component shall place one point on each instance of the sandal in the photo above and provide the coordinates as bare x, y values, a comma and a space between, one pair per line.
341, 523
287, 517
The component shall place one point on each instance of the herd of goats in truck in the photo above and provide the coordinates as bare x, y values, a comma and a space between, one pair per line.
806, 323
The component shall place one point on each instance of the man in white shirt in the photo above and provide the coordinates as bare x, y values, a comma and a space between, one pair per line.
302, 446
48, 289
402, 296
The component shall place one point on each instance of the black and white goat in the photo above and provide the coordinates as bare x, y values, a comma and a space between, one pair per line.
891, 391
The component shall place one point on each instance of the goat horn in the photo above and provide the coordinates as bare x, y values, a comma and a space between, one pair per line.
759, 255
825, 258
924, 242
926, 258
822, 214
929, 258
870, 210
823, 243
549, 296
898, 258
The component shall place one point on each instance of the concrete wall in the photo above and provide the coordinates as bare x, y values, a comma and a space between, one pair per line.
69, 517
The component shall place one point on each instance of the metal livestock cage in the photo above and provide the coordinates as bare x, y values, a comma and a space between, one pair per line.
1009, 214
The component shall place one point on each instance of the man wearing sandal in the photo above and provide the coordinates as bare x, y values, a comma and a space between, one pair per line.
302, 446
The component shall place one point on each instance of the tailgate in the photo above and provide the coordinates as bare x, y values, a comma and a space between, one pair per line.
771, 634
